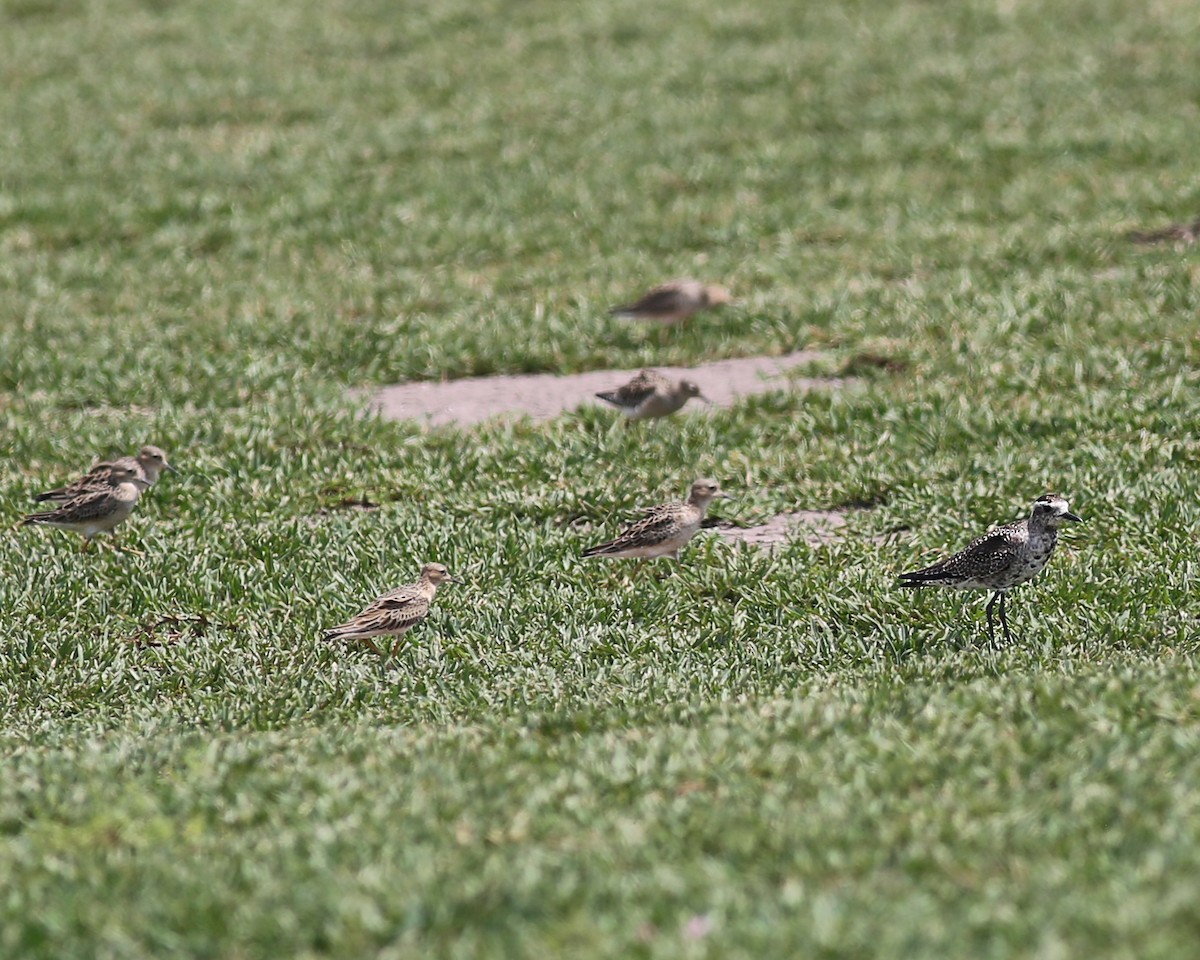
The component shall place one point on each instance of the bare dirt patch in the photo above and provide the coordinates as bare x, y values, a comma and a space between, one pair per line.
815, 527
544, 396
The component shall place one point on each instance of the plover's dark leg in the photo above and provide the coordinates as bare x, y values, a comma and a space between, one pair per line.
1004, 620
991, 603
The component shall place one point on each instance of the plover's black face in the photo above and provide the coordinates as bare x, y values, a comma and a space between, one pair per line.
1053, 509
689, 389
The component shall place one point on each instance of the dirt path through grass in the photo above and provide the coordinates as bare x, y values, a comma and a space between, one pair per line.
544, 396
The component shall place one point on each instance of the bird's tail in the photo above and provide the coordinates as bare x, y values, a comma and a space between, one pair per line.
609, 396
920, 578
599, 550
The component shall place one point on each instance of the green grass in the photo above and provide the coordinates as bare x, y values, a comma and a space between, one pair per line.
214, 218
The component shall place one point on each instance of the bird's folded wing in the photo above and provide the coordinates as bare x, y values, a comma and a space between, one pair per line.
657, 525
634, 392
87, 506
401, 606
984, 556
100, 473
662, 300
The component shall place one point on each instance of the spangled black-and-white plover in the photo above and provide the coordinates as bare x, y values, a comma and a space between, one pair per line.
1002, 559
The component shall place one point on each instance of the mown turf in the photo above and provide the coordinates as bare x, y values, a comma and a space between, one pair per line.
215, 218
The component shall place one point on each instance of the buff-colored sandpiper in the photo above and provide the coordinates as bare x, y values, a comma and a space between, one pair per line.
100, 508
148, 464
395, 613
649, 394
664, 530
674, 302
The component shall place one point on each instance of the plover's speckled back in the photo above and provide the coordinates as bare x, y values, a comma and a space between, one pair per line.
674, 302
1002, 559
98, 509
148, 464
650, 394
395, 613
664, 530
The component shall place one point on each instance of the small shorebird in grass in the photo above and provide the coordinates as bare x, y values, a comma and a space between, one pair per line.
1002, 559
148, 464
674, 302
650, 394
395, 613
664, 530
1178, 232
97, 509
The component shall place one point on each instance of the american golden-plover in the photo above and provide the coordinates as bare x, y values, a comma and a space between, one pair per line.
1002, 559
98, 509
674, 302
395, 613
664, 530
650, 394
148, 464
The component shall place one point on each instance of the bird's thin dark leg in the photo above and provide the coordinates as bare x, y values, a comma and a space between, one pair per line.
1004, 620
992, 603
